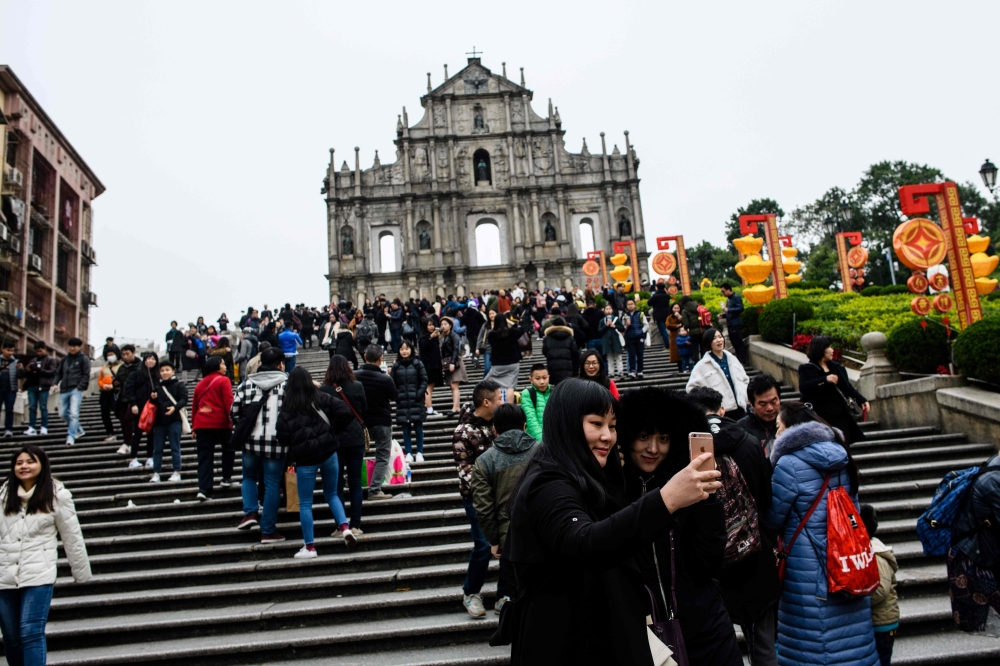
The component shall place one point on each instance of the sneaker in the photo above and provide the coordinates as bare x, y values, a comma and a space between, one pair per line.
70, 441
135, 464
357, 531
31, 432
640, 375
249, 520
474, 605
225, 483
175, 477
124, 450
8, 434
80, 434
43, 431
500, 602
349, 539
274, 537
306, 554
110, 439
202, 497
409, 457
420, 457
378, 495
430, 410
149, 463
155, 478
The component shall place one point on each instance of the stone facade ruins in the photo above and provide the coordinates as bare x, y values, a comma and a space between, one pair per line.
479, 156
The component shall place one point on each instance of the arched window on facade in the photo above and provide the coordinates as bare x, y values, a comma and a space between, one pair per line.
487, 243
387, 252
481, 167
586, 236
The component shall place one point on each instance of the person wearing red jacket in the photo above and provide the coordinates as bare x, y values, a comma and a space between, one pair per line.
213, 399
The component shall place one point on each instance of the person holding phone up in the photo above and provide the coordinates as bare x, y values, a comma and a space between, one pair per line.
658, 431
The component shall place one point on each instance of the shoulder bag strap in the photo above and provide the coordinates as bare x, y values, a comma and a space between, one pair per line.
805, 519
169, 395
343, 396
321, 414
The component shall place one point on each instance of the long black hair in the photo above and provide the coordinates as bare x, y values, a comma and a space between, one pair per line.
602, 374
796, 413
44, 495
339, 371
300, 392
653, 409
502, 327
564, 443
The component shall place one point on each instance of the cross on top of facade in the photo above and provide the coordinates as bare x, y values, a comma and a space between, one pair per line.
474, 53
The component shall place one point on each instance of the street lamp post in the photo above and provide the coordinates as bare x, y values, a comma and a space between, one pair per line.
888, 257
989, 173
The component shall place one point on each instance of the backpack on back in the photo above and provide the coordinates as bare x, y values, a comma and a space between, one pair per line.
367, 332
851, 568
934, 524
742, 520
704, 316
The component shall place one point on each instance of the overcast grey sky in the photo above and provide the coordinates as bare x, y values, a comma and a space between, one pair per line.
210, 122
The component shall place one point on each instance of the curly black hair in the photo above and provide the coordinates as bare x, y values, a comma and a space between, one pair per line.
650, 409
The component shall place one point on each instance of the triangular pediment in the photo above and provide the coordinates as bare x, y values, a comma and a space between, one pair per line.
476, 79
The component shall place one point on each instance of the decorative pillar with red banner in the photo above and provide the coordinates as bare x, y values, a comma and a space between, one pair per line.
595, 264
629, 245
847, 258
665, 264
920, 243
749, 226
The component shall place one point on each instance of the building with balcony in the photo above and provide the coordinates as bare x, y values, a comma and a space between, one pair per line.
46, 225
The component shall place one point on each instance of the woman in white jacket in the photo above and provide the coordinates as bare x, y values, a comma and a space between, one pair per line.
720, 370
37, 510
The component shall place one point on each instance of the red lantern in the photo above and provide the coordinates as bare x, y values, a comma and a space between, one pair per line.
921, 305
943, 303
917, 283
672, 289
939, 281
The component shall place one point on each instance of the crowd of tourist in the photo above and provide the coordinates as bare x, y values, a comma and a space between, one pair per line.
582, 481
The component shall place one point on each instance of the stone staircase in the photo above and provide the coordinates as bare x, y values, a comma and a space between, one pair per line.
175, 583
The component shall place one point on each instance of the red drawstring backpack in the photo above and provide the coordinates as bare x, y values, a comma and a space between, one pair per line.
851, 569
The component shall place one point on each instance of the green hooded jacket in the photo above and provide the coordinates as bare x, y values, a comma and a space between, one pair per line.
494, 476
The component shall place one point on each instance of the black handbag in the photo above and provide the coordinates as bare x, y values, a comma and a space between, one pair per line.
244, 426
669, 629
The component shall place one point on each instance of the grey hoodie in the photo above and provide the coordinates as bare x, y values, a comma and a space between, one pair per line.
494, 477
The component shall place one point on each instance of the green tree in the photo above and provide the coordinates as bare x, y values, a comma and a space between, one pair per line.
975, 204
821, 263
717, 264
755, 207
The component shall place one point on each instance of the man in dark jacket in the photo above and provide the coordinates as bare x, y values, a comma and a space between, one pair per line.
692, 322
9, 367
593, 317
122, 407
617, 298
659, 303
764, 400
473, 436
176, 344
38, 376
562, 356
732, 312
380, 392
750, 587
73, 377
171, 398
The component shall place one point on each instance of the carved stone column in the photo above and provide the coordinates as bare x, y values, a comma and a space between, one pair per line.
452, 180
437, 229
447, 107
609, 200
565, 249
406, 166
555, 157
534, 218
410, 234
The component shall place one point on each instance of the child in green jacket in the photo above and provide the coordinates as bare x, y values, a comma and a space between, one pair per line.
533, 400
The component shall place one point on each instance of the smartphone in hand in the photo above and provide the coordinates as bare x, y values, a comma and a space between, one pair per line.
699, 443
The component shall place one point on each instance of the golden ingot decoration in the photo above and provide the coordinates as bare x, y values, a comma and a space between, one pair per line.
983, 265
705, 284
621, 273
753, 269
628, 287
986, 285
978, 243
618, 259
793, 278
749, 244
857, 256
758, 294
789, 252
791, 265
919, 244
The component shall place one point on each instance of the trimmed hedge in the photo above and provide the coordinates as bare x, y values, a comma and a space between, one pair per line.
775, 322
809, 284
913, 347
751, 319
977, 350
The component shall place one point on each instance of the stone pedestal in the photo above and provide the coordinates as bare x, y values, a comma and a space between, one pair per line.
877, 369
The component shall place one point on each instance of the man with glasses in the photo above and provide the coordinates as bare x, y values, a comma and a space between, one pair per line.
764, 402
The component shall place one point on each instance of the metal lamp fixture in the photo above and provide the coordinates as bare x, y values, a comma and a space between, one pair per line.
989, 173
696, 263
845, 211
831, 224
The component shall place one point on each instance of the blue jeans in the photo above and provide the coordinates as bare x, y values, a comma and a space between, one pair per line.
23, 615
290, 362
351, 459
686, 363
305, 475
274, 469
479, 559
636, 348
38, 398
487, 363
160, 435
419, 430
7, 399
664, 335
396, 335
69, 408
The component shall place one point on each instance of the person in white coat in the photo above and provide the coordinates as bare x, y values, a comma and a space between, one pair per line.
37, 511
723, 372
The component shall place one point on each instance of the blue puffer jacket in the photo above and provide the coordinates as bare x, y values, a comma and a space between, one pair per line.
812, 628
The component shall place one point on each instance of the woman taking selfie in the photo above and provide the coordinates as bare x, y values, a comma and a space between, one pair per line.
38, 511
655, 424
571, 542
430, 355
451, 359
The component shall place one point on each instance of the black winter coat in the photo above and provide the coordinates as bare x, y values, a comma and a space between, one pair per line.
344, 346
473, 321
699, 546
352, 436
574, 560
451, 351
828, 399
430, 352
562, 355
750, 586
309, 439
410, 378
593, 318
660, 304
505, 351
980, 505
180, 394
380, 391
140, 384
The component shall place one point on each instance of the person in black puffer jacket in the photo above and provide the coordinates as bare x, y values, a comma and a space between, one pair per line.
562, 355
429, 344
410, 377
344, 344
351, 441
306, 426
